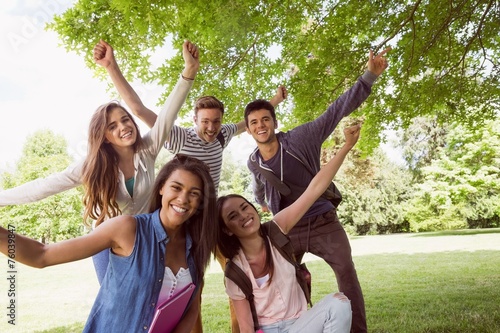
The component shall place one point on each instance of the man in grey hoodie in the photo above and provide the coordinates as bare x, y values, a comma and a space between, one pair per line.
319, 231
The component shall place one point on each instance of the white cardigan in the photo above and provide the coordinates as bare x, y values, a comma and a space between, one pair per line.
144, 161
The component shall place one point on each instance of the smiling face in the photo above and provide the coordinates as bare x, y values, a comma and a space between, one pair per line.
208, 123
181, 194
120, 129
261, 126
240, 218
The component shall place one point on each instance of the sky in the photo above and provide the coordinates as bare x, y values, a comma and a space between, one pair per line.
42, 86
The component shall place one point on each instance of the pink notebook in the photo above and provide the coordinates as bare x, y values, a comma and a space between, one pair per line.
168, 314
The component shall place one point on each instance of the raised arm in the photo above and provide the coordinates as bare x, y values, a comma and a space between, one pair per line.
322, 127
104, 56
280, 96
160, 132
117, 233
288, 217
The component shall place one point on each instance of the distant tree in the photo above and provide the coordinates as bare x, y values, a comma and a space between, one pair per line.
421, 143
163, 158
444, 63
374, 191
52, 219
460, 187
235, 178
374, 188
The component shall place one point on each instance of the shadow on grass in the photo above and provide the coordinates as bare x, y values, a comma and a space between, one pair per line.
73, 328
462, 232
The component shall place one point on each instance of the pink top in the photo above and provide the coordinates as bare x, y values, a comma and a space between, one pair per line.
281, 300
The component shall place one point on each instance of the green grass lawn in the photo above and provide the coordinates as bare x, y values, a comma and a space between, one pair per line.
436, 292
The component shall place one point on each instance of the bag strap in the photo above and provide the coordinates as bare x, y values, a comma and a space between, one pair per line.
283, 244
271, 178
331, 193
236, 274
221, 139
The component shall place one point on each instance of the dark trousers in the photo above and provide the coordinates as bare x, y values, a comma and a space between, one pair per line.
324, 236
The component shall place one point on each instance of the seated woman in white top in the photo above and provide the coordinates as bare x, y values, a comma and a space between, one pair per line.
279, 301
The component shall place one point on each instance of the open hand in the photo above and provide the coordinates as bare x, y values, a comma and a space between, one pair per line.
378, 63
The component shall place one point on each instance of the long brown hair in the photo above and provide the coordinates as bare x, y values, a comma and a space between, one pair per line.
100, 169
202, 226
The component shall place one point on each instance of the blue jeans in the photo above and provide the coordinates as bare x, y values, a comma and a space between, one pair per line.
331, 314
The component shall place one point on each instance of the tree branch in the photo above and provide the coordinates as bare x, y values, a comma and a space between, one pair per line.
401, 26
467, 47
477, 34
243, 55
240, 58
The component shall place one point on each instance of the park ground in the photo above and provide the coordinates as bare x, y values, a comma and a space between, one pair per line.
415, 243
65, 293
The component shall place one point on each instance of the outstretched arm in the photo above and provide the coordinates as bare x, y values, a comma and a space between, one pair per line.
280, 96
117, 233
288, 217
104, 56
42, 188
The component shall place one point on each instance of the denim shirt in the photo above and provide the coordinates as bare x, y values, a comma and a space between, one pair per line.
127, 298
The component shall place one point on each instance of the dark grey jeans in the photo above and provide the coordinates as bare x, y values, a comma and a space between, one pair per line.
325, 237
